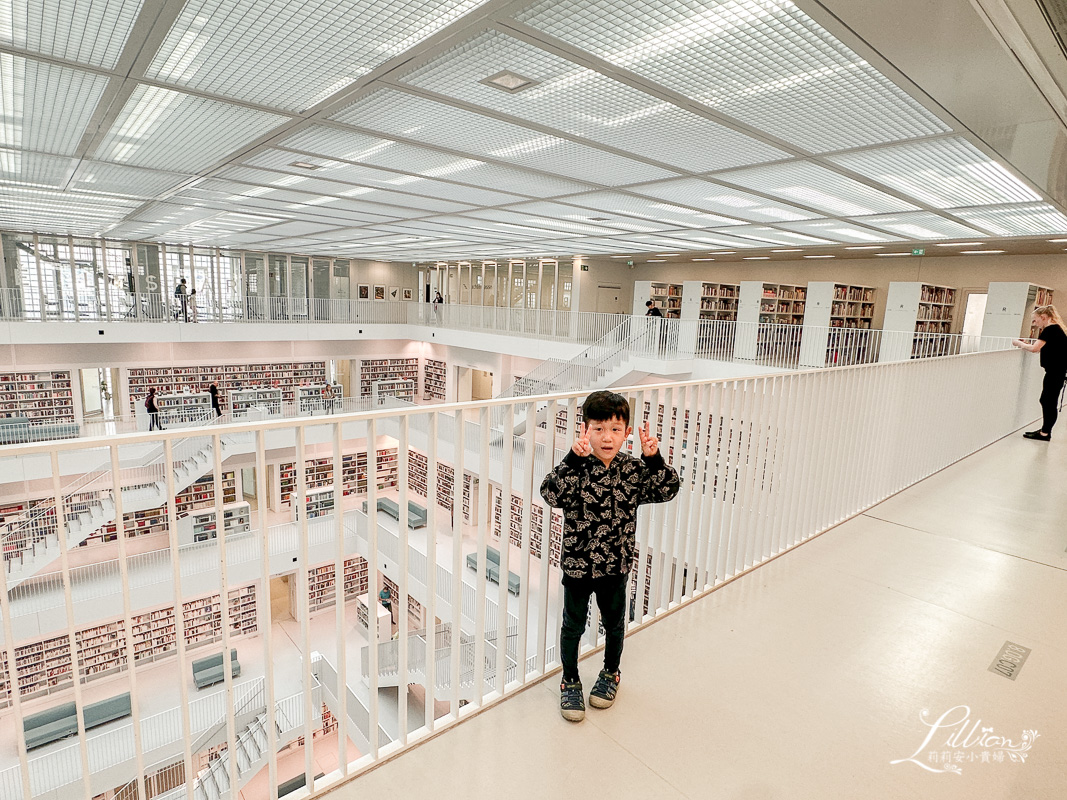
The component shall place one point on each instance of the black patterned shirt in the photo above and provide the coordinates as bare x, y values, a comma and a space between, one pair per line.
600, 508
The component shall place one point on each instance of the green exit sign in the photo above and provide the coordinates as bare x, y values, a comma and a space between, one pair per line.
585, 267
918, 251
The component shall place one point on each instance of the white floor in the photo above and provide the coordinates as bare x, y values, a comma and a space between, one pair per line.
810, 676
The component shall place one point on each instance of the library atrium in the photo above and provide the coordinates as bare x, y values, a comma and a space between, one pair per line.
299, 305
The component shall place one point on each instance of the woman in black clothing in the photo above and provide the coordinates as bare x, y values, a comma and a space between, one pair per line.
1051, 343
213, 390
153, 411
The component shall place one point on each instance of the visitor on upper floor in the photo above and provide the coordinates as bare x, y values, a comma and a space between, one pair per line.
213, 390
653, 310
153, 411
181, 295
1051, 343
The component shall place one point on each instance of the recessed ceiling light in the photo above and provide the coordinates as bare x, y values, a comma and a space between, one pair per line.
305, 165
656, 260
1058, 240
509, 81
866, 247
820, 256
959, 244
756, 258
724, 252
703, 259
980, 252
667, 254
788, 250
622, 256
892, 254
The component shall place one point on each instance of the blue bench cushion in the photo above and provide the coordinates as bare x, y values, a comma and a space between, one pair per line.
50, 725
209, 671
108, 710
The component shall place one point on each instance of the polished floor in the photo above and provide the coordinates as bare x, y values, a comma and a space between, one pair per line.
857, 666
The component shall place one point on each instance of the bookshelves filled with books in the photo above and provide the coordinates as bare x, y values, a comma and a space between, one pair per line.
769, 316
837, 319
434, 376
918, 321
318, 472
667, 297
319, 502
445, 489
39, 396
311, 399
200, 494
322, 585
400, 389
267, 398
386, 369
184, 407
713, 308
229, 378
45, 665
1010, 307
514, 527
236, 518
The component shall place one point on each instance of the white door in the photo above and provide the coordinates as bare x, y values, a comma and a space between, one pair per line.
972, 321
609, 300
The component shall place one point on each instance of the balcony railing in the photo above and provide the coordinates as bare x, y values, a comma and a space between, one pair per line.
766, 463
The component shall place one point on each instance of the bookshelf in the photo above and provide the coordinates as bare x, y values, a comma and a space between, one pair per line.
764, 310
923, 310
39, 396
243, 399
45, 665
401, 389
386, 369
713, 306
667, 297
434, 374
236, 518
183, 407
230, 378
1010, 307
310, 398
536, 522
319, 502
318, 472
837, 317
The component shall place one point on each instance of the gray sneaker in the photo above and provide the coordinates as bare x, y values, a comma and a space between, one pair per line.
571, 704
602, 695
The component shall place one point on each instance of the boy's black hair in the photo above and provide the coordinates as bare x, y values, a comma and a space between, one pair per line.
603, 405
648, 304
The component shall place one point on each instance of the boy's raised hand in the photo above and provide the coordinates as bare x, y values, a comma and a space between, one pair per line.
649, 443
581, 446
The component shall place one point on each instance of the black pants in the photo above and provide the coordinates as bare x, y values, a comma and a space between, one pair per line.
610, 594
153, 421
1051, 387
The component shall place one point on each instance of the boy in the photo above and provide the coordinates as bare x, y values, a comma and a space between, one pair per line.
599, 489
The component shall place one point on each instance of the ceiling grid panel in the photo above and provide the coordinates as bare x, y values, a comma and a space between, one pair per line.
581, 102
393, 113
763, 62
91, 32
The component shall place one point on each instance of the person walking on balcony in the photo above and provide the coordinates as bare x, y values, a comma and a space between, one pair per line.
599, 489
1051, 343
213, 390
153, 411
653, 310
181, 295
327, 399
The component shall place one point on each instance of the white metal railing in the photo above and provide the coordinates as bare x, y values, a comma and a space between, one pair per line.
766, 463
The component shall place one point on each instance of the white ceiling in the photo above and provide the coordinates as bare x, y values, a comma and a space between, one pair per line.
365, 128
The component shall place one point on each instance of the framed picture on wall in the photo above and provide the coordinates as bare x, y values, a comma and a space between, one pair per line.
379, 292
409, 293
394, 293
363, 291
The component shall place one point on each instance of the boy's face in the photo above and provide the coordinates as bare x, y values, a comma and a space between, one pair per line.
606, 437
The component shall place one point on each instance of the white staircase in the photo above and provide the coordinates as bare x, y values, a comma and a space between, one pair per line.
213, 782
32, 543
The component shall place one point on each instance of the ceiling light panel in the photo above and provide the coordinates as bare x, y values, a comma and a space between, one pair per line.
919, 226
375, 151
487, 138
96, 176
92, 32
352, 173
581, 102
838, 231
763, 62
653, 213
34, 168
44, 107
722, 200
530, 218
297, 229
772, 235
59, 212
815, 186
712, 239
163, 129
943, 173
1019, 220
292, 55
